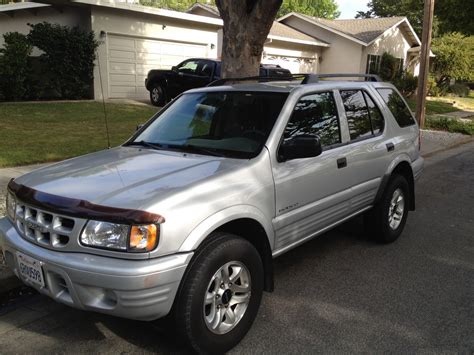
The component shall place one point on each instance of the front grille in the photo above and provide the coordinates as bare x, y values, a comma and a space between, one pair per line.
44, 228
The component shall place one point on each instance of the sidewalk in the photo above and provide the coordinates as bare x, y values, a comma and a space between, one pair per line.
432, 142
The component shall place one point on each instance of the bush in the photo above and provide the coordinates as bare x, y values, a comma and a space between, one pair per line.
407, 84
389, 67
460, 90
14, 66
69, 55
450, 125
433, 89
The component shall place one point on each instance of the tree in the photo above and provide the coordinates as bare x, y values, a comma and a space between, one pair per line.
318, 8
454, 58
450, 15
246, 27
14, 65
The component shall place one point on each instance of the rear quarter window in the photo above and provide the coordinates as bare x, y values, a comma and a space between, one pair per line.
397, 106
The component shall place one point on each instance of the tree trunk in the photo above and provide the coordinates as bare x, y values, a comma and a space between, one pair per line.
246, 27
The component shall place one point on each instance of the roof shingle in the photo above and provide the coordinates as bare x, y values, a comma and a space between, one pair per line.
365, 30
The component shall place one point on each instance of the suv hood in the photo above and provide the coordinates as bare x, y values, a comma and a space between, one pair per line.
127, 177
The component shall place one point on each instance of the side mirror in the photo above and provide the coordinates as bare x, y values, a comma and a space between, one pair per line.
302, 146
139, 127
175, 69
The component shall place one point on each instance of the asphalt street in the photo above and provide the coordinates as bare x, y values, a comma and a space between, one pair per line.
337, 293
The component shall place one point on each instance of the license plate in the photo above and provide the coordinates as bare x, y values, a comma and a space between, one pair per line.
30, 269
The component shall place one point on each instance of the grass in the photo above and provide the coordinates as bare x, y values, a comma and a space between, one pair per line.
450, 125
43, 132
434, 106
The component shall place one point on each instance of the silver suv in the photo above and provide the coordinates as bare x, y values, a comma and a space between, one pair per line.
186, 216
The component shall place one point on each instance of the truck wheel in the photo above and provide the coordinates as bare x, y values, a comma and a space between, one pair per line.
157, 95
220, 294
385, 222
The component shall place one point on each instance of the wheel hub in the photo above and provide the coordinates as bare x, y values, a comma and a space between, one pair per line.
227, 297
396, 209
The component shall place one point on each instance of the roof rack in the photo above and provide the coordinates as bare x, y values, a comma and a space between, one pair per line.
261, 79
305, 78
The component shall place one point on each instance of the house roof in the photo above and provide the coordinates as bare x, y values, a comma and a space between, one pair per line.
278, 31
362, 31
21, 6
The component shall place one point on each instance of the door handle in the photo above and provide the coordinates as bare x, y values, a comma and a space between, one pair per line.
341, 163
390, 147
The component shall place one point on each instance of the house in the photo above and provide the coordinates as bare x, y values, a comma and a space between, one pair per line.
134, 39
356, 45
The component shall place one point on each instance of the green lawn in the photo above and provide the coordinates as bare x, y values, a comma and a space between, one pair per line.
434, 107
42, 132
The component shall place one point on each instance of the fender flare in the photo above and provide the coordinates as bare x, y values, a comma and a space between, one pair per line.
218, 219
386, 177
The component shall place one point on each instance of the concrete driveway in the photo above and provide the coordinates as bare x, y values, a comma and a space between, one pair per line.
337, 293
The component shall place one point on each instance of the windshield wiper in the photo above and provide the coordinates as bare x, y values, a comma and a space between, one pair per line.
156, 146
198, 149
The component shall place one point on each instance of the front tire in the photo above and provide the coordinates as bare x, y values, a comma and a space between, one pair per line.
157, 95
220, 294
386, 221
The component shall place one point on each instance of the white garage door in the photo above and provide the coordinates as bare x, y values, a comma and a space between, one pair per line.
130, 59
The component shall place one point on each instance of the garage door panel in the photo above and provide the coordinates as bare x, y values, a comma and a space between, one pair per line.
121, 42
116, 54
121, 68
130, 60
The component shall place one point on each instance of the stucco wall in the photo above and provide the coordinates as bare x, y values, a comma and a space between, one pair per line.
393, 42
113, 21
20, 19
343, 55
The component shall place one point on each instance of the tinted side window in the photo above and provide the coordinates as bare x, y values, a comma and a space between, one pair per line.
397, 106
315, 114
357, 114
376, 116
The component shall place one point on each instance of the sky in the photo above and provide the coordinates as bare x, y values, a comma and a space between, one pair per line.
349, 8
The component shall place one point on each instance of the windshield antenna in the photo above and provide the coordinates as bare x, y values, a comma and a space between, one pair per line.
103, 97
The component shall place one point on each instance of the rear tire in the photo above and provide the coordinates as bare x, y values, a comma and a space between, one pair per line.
220, 294
386, 220
157, 95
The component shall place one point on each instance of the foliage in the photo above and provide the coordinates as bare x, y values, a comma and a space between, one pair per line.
434, 107
411, 9
14, 65
433, 89
461, 90
406, 84
56, 131
177, 5
450, 15
450, 124
318, 8
389, 67
454, 59
69, 55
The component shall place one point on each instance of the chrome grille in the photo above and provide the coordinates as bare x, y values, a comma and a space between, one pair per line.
44, 228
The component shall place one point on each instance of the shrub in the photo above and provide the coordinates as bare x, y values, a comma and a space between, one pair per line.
407, 84
433, 89
69, 55
460, 90
450, 125
14, 65
389, 67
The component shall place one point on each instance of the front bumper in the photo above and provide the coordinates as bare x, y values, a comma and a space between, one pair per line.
135, 289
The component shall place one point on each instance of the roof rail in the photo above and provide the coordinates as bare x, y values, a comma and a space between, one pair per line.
304, 77
262, 79
368, 77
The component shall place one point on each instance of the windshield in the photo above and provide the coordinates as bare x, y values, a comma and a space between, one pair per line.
233, 124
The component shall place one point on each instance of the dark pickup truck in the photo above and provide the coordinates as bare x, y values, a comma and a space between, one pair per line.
164, 85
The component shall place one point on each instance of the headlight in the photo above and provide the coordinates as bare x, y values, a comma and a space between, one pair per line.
120, 237
11, 206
